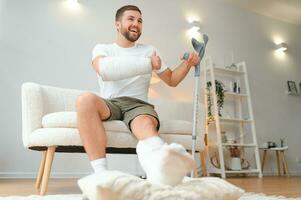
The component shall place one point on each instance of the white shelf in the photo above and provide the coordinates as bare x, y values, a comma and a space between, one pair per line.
226, 71
293, 93
242, 171
239, 145
235, 94
232, 94
222, 119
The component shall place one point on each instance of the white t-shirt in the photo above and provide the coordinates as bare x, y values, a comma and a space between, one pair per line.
136, 86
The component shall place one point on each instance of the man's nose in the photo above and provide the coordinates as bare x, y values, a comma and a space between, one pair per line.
135, 23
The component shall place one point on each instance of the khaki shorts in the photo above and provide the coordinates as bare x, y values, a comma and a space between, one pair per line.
127, 108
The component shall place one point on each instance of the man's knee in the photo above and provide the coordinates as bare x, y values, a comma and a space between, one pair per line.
144, 122
89, 102
86, 101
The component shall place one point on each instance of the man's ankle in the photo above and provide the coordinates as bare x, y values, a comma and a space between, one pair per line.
99, 165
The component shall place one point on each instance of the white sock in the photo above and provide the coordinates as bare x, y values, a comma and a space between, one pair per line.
164, 164
146, 147
99, 165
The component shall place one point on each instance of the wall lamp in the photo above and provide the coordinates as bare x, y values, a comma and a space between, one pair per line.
195, 25
194, 29
281, 47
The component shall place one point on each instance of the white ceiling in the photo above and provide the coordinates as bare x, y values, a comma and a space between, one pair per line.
284, 10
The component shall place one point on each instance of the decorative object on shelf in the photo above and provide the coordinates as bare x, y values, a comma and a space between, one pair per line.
232, 67
214, 160
236, 87
300, 87
236, 163
282, 142
231, 138
220, 90
265, 145
269, 144
234, 151
224, 137
292, 86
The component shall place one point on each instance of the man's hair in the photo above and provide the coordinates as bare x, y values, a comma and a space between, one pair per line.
121, 10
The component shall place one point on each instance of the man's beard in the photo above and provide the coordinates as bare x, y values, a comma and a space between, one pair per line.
127, 34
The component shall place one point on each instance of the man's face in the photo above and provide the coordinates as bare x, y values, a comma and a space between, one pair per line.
130, 25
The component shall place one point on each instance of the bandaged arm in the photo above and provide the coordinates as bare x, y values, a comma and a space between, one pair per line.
113, 68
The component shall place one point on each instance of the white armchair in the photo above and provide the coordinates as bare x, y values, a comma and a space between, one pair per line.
49, 125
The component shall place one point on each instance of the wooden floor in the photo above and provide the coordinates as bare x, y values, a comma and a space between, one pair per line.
289, 187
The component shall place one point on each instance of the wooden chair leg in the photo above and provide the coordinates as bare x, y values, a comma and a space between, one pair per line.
203, 162
41, 171
48, 163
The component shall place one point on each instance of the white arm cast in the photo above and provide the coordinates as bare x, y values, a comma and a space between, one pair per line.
122, 67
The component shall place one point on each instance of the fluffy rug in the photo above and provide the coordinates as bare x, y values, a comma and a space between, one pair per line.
116, 185
246, 196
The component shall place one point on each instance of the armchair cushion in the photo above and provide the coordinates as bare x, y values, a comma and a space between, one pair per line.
69, 120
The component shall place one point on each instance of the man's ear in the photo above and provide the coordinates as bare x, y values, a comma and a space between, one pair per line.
117, 25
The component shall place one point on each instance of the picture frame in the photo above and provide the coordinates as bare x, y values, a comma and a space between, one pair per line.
292, 86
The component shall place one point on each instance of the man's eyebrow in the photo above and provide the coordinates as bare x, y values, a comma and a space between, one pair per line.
131, 16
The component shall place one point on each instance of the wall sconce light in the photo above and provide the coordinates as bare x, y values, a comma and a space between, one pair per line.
194, 29
72, 5
281, 47
196, 25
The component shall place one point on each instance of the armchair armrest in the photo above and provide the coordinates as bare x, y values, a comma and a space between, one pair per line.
32, 109
38, 100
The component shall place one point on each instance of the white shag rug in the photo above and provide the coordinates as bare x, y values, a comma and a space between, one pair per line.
116, 185
246, 196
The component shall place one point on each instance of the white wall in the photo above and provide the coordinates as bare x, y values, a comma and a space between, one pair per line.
41, 42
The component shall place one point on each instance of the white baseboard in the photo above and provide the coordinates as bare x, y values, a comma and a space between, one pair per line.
33, 175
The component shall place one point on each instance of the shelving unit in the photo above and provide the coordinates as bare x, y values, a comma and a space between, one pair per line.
242, 119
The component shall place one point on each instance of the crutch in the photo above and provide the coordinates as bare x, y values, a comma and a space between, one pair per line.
199, 47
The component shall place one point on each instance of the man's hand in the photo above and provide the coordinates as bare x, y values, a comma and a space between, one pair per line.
193, 59
156, 61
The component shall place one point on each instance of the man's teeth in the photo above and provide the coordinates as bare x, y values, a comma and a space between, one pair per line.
134, 31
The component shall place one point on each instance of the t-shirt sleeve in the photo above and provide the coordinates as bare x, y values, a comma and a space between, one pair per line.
163, 64
99, 50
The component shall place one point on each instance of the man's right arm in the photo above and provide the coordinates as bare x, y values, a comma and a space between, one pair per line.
118, 68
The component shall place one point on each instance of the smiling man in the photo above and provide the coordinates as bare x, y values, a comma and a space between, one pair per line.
124, 70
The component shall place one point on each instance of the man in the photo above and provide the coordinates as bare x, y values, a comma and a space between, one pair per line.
124, 70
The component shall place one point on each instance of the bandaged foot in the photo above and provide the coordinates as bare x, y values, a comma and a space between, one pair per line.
164, 164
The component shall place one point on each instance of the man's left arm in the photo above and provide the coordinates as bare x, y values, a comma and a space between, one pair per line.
173, 78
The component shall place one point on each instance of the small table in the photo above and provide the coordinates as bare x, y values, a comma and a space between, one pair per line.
281, 160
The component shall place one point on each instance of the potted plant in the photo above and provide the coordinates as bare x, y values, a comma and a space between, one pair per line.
220, 90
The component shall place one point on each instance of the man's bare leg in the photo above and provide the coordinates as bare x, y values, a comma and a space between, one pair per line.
163, 164
91, 110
